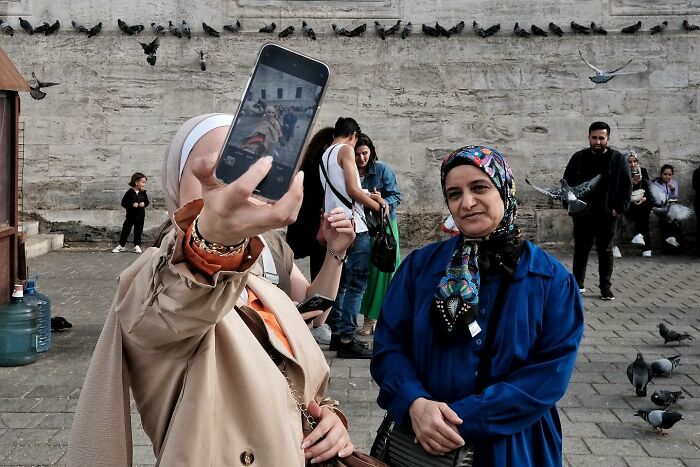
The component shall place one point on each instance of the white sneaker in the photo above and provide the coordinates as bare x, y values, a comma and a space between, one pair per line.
322, 334
118, 249
616, 252
673, 242
137, 249
646, 254
582, 290
638, 240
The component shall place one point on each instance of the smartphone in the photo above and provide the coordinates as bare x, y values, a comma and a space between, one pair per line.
315, 302
277, 111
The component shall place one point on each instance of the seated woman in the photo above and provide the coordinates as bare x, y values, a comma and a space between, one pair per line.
670, 229
479, 333
640, 207
221, 366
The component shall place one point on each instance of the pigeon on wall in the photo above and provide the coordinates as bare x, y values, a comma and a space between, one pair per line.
579, 28
537, 31
659, 420
79, 27
457, 28
441, 30
556, 30
570, 195
42, 28
286, 32
308, 30
394, 29
150, 50
603, 76
520, 31
202, 55
478, 30
490, 31
430, 31
186, 30
380, 30
26, 25
234, 27
174, 30
268, 28
124, 27
598, 29
639, 374
157, 28
35, 86
408, 27
210, 31
53, 28
632, 29
669, 335
658, 28
690, 27
95, 30
6, 28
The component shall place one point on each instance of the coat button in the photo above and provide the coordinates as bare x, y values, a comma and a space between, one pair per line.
247, 457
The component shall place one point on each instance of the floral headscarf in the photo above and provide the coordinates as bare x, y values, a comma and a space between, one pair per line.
457, 295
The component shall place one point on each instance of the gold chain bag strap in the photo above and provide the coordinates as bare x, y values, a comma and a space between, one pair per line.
357, 458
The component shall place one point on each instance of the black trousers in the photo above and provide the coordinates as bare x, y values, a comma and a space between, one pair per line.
599, 227
639, 214
137, 223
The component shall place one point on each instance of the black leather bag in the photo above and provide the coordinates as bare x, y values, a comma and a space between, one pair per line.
374, 221
384, 252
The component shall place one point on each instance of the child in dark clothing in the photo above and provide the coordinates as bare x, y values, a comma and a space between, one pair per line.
135, 201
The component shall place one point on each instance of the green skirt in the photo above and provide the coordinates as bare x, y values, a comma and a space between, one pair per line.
378, 282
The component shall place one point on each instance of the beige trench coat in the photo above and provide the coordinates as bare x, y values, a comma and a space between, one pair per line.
207, 392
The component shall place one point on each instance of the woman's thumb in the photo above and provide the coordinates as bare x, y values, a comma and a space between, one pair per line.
203, 169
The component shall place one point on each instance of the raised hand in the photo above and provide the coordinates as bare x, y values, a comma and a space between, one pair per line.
338, 231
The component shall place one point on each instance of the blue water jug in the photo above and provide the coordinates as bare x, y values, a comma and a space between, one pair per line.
42, 305
19, 330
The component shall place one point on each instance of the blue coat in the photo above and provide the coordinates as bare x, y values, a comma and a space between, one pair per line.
514, 420
381, 177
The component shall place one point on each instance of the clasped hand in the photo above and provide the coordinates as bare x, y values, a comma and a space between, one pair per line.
435, 425
330, 438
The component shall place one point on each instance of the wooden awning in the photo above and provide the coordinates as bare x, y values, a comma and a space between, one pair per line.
10, 78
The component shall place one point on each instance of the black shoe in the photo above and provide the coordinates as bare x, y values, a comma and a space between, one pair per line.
335, 340
353, 349
606, 294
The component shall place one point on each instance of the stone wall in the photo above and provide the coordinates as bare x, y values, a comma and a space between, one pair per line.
418, 98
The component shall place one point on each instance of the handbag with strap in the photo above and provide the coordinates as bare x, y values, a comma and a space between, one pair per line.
257, 328
384, 252
395, 444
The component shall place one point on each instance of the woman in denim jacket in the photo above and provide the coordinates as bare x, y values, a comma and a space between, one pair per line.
378, 178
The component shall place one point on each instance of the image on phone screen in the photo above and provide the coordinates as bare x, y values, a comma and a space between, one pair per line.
274, 118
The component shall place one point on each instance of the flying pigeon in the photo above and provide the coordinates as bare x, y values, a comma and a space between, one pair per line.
286, 32
478, 30
658, 28
690, 27
35, 86
602, 76
187, 31
6, 28
570, 195
457, 28
659, 419
520, 31
268, 28
95, 30
308, 30
632, 29
79, 27
442, 30
202, 59
556, 29
210, 31
537, 31
579, 28
380, 30
157, 28
234, 28
664, 398
665, 207
430, 31
492, 30
639, 374
42, 28
408, 27
150, 50
598, 29
26, 25
174, 30
664, 366
670, 335
53, 28
394, 29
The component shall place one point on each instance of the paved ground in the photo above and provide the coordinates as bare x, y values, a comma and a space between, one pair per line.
37, 401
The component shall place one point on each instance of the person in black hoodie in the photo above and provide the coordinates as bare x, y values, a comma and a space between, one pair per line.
135, 201
609, 200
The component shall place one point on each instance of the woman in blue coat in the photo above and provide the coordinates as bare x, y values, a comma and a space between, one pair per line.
460, 367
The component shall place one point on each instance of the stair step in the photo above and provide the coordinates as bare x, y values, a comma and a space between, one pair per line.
31, 228
37, 245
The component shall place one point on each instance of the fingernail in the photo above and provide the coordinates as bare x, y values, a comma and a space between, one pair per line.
305, 444
300, 179
313, 461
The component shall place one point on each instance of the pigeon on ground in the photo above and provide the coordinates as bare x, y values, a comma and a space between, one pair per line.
570, 195
286, 32
603, 76
174, 30
520, 31
579, 28
26, 25
659, 420
394, 29
664, 366
658, 28
490, 31
186, 30
538, 31
157, 28
380, 30
35, 86
234, 27
670, 335
478, 30
59, 323
308, 30
268, 28
690, 27
665, 207
598, 29
95, 30
6, 28
457, 28
632, 29
53, 28
42, 28
202, 59
664, 398
430, 31
556, 29
407, 28
210, 31
639, 374
79, 27
443, 32
150, 50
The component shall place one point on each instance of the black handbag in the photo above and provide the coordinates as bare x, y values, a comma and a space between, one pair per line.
374, 221
384, 252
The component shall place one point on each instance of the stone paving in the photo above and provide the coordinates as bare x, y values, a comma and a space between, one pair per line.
37, 402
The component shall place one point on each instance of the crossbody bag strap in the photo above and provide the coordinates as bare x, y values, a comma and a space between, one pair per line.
348, 204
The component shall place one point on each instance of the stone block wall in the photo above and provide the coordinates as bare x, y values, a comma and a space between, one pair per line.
418, 98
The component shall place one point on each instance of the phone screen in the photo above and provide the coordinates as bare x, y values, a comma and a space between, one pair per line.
276, 113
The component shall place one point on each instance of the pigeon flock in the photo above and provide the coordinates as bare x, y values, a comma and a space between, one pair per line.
640, 374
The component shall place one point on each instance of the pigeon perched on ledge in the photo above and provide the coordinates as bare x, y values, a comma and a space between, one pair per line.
632, 29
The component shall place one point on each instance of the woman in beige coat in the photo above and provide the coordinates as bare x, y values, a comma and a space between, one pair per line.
207, 391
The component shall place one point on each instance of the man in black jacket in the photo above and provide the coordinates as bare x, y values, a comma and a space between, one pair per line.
609, 200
